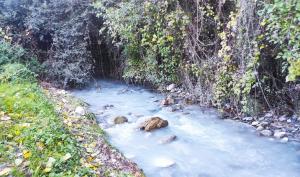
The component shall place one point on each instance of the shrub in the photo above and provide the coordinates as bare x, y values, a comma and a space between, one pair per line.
10, 53
152, 34
281, 20
16, 73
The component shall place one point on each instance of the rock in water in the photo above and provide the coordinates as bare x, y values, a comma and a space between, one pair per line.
284, 140
279, 135
266, 133
154, 123
167, 101
168, 139
163, 162
248, 118
120, 120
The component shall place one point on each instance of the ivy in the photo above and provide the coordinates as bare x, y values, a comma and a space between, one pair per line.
281, 20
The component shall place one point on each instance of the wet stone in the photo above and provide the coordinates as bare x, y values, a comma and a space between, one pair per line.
120, 120
168, 139
154, 123
279, 135
266, 133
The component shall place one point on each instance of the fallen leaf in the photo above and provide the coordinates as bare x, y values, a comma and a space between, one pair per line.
24, 125
40, 146
18, 162
66, 157
50, 162
90, 159
46, 170
27, 154
5, 171
93, 144
89, 150
5, 118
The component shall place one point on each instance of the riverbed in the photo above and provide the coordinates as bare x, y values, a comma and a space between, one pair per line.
206, 146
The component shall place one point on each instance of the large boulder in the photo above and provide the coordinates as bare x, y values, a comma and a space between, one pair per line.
120, 120
154, 123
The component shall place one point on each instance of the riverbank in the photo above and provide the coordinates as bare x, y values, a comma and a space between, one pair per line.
46, 132
281, 127
97, 153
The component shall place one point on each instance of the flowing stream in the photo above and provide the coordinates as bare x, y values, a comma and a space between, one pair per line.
206, 146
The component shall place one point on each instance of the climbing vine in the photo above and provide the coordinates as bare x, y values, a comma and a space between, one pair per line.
281, 20
152, 34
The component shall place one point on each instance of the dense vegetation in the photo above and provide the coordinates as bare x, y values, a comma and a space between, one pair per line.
242, 56
32, 135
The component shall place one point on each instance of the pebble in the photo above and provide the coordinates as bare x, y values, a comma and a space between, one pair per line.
264, 123
168, 139
79, 111
255, 123
289, 121
266, 132
171, 87
279, 135
282, 118
248, 118
284, 140
260, 128
269, 115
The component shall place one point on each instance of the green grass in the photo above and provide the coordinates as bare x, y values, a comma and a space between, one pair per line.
35, 133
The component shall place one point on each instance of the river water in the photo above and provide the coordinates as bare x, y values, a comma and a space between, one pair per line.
206, 146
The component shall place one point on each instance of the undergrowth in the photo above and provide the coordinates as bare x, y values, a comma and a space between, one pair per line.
33, 140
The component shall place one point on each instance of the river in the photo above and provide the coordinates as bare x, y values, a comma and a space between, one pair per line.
206, 146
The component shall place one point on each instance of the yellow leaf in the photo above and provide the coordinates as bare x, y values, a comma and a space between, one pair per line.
40, 146
66, 157
90, 159
93, 145
27, 154
46, 170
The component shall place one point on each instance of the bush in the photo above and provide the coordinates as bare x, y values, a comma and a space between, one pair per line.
152, 34
10, 53
281, 20
16, 73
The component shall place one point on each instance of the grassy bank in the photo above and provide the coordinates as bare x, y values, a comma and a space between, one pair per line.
33, 138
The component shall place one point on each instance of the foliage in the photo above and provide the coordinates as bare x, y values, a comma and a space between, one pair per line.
37, 131
152, 34
16, 73
30, 126
281, 20
10, 53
